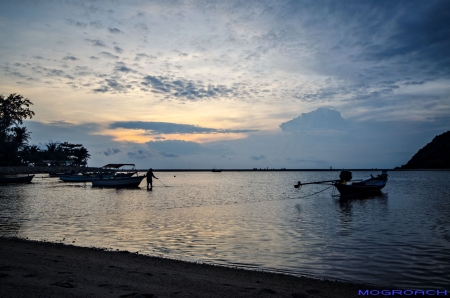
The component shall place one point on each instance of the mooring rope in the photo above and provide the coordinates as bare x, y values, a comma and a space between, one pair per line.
314, 193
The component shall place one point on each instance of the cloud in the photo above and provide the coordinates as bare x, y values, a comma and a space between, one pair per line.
186, 89
118, 49
169, 155
96, 24
320, 119
417, 37
114, 30
111, 151
140, 56
139, 154
102, 89
122, 68
113, 86
96, 42
109, 55
77, 23
71, 58
172, 128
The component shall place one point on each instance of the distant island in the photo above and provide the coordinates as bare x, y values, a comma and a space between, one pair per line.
435, 155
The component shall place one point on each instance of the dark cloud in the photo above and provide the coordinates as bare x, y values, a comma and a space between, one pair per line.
102, 89
413, 36
109, 55
12, 72
169, 155
96, 42
111, 151
139, 154
114, 30
118, 49
55, 72
320, 119
186, 89
140, 56
77, 23
171, 128
71, 58
121, 67
113, 86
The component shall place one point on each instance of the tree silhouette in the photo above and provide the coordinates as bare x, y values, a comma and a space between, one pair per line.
14, 148
13, 109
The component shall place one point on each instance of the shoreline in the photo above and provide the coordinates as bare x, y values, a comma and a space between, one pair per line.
41, 170
60, 270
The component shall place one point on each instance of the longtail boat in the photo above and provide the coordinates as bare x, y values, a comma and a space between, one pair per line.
348, 187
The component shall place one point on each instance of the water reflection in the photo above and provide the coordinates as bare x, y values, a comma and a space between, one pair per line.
252, 220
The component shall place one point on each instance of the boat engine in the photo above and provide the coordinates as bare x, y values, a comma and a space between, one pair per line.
345, 176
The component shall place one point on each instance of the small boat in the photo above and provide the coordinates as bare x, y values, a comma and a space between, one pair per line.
216, 171
123, 176
119, 169
368, 186
55, 174
347, 187
79, 177
15, 179
118, 181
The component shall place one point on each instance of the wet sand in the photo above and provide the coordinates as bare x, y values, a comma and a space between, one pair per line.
40, 269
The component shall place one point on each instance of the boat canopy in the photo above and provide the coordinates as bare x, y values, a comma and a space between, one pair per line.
118, 165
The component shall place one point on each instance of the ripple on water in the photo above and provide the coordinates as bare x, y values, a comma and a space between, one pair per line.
253, 220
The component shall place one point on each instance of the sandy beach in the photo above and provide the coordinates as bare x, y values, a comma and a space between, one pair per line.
41, 269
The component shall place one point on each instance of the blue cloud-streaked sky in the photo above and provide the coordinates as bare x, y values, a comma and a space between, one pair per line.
232, 84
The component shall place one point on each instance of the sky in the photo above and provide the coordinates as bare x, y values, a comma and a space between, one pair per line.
230, 84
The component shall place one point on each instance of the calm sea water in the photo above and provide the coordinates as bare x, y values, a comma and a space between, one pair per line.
253, 220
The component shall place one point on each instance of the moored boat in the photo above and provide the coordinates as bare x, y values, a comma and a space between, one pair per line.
77, 177
15, 179
118, 181
348, 187
119, 169
368, 186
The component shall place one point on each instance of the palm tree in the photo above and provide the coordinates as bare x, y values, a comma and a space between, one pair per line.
81, 155
30, 153
20, 137
18, 140
54, 151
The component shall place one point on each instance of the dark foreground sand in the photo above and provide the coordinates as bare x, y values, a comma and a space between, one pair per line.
38, 269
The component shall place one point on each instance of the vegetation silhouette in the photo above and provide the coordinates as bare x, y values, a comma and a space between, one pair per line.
14, 138
434, 155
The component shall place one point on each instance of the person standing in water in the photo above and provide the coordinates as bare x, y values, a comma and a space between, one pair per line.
149, 178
